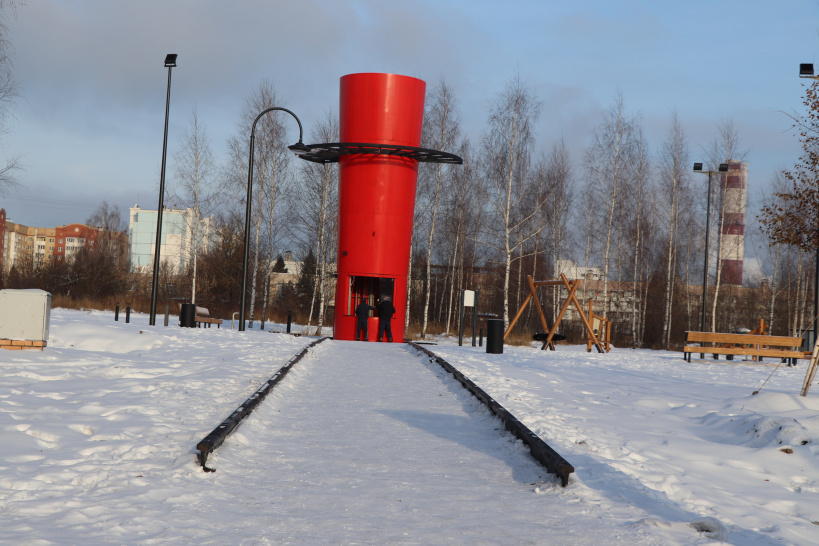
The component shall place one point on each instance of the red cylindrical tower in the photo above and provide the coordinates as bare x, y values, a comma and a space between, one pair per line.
376, 196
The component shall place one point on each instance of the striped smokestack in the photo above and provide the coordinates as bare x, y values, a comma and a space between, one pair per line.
732, 243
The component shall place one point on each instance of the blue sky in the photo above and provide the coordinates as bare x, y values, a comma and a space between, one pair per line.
89, 125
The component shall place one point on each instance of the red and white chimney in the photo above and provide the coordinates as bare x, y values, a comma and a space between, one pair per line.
732, 242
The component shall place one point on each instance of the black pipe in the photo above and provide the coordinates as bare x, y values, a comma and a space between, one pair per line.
116, 312
289, 320
127, 313
161, 206
705, 266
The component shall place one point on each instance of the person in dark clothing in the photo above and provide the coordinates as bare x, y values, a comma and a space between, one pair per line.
385, 312
361, 313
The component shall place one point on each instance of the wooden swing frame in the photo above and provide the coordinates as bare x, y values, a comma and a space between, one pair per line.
571, 286
604, 329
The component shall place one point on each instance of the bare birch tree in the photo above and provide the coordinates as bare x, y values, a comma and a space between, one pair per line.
507, 146
608, 161
559, 198
642, 180
315, 209
462, 216
194, 185
270, 169
674, 177
9, 93
441, 130
778, 185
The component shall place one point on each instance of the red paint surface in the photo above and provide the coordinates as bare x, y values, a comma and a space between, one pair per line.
376, 193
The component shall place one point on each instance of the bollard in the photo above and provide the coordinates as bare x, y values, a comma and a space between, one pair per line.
289, 320
167, 313
480, 342
494, 336
116, 313
127, 313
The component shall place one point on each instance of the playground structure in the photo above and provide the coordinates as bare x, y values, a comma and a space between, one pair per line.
571, 299
600, 326
761, 330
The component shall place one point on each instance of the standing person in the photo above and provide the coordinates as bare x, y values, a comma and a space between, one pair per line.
385, 312
361, 313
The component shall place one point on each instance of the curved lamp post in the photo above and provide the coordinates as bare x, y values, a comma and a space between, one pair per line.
806, 71
723, 168
297, 148
170, 62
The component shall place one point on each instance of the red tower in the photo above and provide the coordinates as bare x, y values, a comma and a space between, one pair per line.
376, 196
380, 121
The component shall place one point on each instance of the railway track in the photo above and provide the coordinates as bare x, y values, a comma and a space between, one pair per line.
540, 450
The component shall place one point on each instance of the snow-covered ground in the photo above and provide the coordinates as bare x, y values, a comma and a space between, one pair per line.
373, 443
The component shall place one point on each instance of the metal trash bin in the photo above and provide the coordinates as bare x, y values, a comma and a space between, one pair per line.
494, 336
187, 317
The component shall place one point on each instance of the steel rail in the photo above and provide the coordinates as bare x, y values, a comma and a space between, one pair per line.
218, 435
540, 450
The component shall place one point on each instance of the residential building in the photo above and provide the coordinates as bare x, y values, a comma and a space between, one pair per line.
28, 247
575, 271
179, 231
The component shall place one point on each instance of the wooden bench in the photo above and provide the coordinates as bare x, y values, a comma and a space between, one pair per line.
203, 317
757, 346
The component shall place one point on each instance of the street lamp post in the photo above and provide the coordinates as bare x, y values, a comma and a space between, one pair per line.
297, 148
806, 71
170, 62
698, 169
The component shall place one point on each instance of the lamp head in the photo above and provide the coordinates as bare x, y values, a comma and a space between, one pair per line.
170, 60
723, 167
806, 70
697, 167
299, 148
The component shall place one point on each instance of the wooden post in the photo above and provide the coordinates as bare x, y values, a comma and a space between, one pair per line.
579, 307
517, 316
814, 361
533, 289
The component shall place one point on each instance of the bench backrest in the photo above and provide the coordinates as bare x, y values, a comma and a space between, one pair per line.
744, 339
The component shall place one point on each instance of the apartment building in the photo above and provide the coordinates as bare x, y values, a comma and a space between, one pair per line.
179, 231
28, 247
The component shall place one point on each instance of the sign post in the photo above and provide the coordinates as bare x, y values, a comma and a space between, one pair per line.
468, 299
